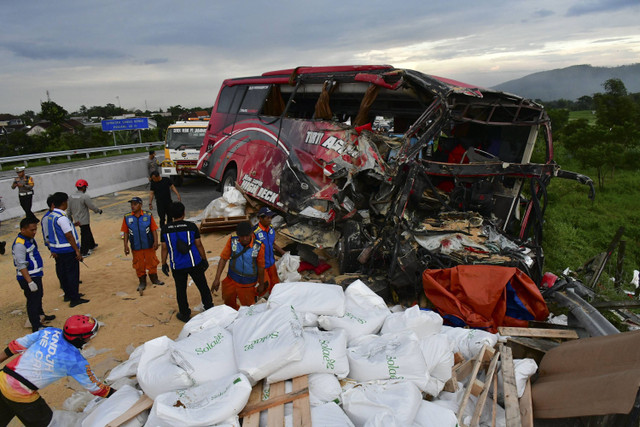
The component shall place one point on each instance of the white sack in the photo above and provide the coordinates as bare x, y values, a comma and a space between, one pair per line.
388, 357
220, 315
157, 373
128, 368
267, 341
324, 388
400, 399
329, 415
384, 419
287, 267
469, 342
206, 355
317, 298
62, 418
438, 355
430, 415
251, 310
523, 369
204, 405
111, 408
215, 209
422, 323
234, 197
325, 352
365, 312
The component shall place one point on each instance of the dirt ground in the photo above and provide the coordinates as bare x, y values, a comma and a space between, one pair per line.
110, 282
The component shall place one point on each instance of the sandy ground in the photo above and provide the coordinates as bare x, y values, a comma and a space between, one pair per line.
110, 282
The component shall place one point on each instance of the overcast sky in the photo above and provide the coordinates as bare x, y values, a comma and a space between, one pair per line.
156, 54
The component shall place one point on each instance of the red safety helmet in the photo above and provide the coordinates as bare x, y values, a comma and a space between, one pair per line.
82, 183
79, 328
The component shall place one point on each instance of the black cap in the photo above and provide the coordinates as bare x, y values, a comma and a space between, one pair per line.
243, 228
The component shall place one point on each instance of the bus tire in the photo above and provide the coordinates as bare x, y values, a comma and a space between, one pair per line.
228, 179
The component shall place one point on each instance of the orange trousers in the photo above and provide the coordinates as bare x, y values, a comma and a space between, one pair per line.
233, 291
145, 259
271, 276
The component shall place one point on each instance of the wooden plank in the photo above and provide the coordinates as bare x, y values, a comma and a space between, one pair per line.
476, 387
459, 372
511, 405
143, 403
485, 392
526, 406
465, 398
266, 404
275, 414
253, 420
494, 410
538, 333
301, 407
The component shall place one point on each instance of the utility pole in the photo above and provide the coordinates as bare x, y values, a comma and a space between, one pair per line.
117, 97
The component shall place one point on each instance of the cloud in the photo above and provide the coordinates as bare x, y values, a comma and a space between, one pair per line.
543, 13
48, 51
597, 6
153, 61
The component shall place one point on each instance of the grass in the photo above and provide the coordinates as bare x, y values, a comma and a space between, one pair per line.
576, 229
74, 158
583, 114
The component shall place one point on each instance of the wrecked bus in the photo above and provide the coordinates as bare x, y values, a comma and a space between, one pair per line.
444, 178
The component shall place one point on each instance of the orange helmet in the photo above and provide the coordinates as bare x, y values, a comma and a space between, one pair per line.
79, 329
82, 183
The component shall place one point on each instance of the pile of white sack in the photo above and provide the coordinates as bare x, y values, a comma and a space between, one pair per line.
368, 365
232, 203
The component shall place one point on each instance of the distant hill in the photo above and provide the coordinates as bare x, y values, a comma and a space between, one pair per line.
572, 82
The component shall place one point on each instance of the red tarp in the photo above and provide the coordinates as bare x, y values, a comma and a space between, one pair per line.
479, 295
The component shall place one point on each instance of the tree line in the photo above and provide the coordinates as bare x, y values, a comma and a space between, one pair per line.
61, 134
612, 142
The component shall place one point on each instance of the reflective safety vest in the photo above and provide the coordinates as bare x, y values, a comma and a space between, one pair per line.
182, 248
140, 234
58, 242
33, 256
268, 238
243, 264
45, 228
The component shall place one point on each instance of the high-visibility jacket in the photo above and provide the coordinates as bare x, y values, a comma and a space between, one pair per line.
268, 238
243, 264
140, 234
45, 228
58, 242
25, 250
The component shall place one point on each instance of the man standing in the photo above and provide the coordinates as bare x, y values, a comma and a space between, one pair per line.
63, 242
29, 270
140, 231
79, 205
246, 268
152, 164
181, 240
161, 188
24, 184
45, 357
267, 235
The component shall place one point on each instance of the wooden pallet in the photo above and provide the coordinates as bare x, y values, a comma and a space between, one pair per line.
274, 405
228, 223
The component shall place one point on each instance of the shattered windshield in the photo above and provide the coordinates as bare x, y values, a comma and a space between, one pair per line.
181, 138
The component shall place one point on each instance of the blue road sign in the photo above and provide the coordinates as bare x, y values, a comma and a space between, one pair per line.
125, 124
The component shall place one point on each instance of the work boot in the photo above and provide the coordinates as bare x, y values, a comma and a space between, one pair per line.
155, 280
2, 247
143, 284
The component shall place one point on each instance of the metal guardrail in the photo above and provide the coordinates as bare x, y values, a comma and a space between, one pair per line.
68, 153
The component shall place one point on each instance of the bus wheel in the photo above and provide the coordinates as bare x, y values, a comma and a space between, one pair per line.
228, 179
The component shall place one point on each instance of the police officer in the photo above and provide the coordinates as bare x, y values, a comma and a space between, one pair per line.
245, 278
63, 243
24, 184
29, 270
181, 241
140, 231
22, 377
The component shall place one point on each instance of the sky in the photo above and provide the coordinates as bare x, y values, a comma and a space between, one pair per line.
151, 55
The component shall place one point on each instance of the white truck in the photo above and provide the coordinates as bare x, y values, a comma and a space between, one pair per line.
182, 147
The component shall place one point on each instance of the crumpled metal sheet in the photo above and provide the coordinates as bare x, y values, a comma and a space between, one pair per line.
303, 233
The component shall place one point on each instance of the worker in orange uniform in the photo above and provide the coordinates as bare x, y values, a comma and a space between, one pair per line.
245, 278
267, 235
141, 230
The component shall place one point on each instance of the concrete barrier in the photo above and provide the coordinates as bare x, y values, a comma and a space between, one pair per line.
113, 175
